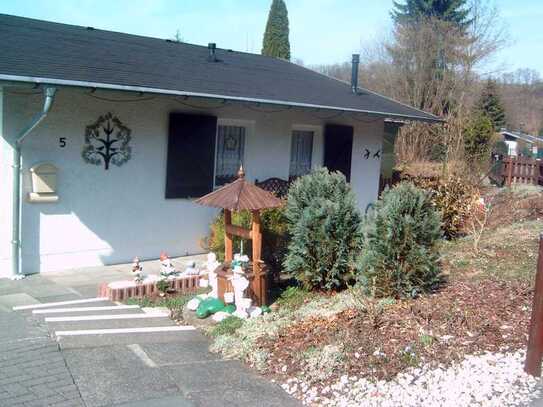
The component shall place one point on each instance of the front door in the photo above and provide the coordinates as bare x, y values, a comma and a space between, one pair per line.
338, 148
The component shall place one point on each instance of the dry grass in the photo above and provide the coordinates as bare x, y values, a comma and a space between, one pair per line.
509, 245
508, 253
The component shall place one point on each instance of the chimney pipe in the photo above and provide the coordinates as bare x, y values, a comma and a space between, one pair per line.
212, 47
354, 73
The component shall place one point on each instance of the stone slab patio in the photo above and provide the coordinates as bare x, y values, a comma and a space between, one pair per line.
169, 368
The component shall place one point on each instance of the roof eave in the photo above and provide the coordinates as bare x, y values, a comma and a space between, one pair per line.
132, 88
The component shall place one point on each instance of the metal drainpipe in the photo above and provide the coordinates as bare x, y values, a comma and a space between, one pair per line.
49, 93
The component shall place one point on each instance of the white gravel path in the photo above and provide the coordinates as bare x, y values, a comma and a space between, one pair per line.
491, 379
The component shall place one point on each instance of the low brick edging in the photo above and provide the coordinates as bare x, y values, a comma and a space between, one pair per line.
183, 285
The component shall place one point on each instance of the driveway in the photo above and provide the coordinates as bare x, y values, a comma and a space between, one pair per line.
62, 346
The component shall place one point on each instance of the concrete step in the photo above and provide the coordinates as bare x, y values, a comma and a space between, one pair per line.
143, 320
84, 311
160, 334
103, 317
97, 301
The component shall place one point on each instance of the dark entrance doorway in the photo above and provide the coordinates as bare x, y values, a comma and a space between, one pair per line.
338, 148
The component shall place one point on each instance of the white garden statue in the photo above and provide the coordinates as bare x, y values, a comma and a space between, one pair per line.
212, 265
137, 270
240, 284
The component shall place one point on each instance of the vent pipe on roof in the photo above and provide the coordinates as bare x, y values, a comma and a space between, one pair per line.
212, 47
354, 73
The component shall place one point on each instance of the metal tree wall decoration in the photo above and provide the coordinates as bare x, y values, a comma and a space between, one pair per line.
106, 141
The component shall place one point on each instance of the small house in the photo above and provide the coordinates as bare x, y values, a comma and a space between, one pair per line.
106, 139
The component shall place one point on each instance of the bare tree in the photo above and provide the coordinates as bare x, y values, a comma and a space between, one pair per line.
434, 65
522, 94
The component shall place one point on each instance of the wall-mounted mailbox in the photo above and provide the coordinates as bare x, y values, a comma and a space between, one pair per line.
44, 183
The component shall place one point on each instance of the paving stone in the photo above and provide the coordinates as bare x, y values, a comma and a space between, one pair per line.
241, 398
32, 370
171, 354
13, 300
114, 374
70, 403
20, 398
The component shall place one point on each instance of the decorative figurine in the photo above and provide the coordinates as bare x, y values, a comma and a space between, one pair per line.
212, 265
240, 260
191, 269
137, 270
166, 267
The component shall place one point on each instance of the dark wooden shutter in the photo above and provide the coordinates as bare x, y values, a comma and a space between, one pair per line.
191, 155
338, 148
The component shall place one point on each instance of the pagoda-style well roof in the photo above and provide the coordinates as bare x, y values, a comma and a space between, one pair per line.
240, 195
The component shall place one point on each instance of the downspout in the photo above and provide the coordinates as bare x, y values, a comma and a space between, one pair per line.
49, 93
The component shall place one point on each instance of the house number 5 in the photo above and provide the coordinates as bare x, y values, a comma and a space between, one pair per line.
62, 142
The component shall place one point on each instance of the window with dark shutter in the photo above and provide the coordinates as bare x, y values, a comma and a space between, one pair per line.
338, 148
191, 153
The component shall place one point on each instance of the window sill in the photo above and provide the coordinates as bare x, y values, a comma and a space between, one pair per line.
34, 197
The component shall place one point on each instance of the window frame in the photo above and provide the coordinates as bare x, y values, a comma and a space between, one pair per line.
248, 125
317, 153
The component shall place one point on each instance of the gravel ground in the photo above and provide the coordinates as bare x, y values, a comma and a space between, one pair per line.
490, 379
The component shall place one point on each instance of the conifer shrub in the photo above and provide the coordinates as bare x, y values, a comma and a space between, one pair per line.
478, 139
324, 225
400, 257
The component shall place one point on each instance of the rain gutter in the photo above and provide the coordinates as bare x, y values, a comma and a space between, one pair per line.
49, 94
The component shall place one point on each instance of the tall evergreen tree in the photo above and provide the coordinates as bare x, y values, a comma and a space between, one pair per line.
276, 42
453, 11
490, 105
478, 136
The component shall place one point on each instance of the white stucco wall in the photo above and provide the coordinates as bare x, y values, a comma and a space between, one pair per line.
108, 217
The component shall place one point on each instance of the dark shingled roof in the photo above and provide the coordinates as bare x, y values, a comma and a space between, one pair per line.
42, 51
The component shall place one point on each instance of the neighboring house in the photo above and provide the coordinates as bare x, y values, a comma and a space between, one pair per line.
127, 130
518, 143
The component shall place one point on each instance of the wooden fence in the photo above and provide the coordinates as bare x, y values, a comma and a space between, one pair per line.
522, 170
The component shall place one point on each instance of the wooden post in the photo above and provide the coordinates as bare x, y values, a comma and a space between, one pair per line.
509, 170
534, 352
259, 282
256, 235
228, 244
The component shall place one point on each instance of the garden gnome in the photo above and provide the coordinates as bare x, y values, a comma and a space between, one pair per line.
240, 284
212, 265
191, 269
166, 267
137, 270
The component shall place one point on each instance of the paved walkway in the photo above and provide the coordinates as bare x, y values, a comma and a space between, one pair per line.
79, 350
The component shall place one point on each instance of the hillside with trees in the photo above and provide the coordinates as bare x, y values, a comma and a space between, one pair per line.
435, 58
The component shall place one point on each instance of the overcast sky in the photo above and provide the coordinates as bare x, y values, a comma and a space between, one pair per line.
322, 31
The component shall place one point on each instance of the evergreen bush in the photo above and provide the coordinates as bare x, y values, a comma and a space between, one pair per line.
478, 138
325, 230
400, 257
